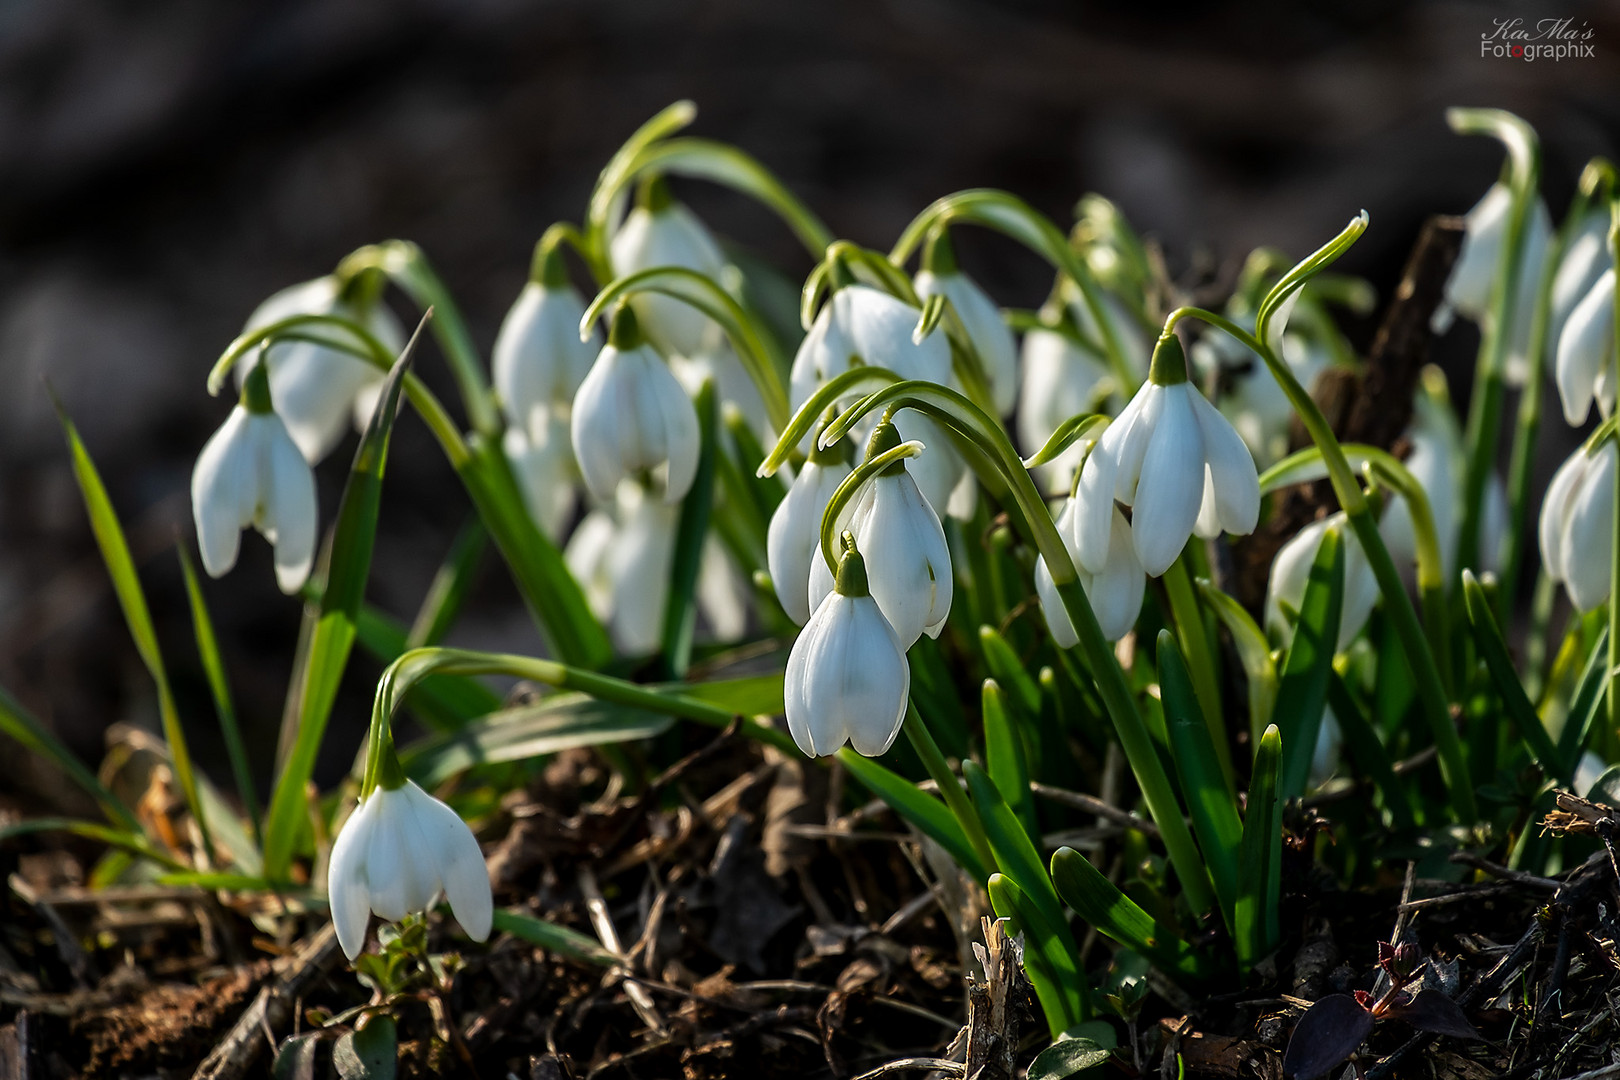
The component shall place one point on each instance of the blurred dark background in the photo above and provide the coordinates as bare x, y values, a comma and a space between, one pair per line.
166, 164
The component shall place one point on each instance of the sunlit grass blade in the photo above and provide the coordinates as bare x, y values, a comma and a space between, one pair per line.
1099, 902
1004, 758
1212, 803
332, 637
1007, 669
1258, 886
553, 938
125, 840
126, 583
680, 607
1254, 652
219, 687
1488, 636
1302, 693
448, 590
1367, 750
21, 725
929, 815
1058, 989
1590, 694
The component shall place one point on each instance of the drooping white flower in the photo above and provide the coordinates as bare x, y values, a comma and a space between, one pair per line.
847, 677
1577, 527
988, 332
394, 855
1584, 362
1115, 593
539, 361
1468, 290
904, 546
662, 232
632, 416
318, 388
794, 537
250, 472
1584, 261
1173, 459
1291, 573
543, 461
1060, 380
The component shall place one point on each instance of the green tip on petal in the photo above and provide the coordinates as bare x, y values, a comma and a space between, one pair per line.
1169, 365
654, 195
851, 579
256, 389
625, 334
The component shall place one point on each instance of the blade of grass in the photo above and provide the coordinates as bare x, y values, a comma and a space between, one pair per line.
448, 590
1302, 694
1253, 651
1368, 751
680, 609
1099, 902
1588, 700
1004, 758
1488, 636
1258, 889
126, 840
25, 728
928, 814
553, 938
126, 582
1054, 988
1009, 671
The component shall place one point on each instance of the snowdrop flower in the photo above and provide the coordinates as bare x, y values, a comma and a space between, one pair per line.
1115, 593
847, 676
631, 416
638, 564
904, 545
250, 472
1576, 530
1060, 380
992, 339
663, 232
543, 462
794, 537
1584, 261
1584, 364
1173, 459
1468, 290
1291, 573
539, 360
395, 854
317, 388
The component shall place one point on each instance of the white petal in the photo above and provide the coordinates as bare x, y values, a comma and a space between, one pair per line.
346, 887
1093, 519
879, 327
1057, 616
462, 872
1116, 593
879, 681
849, 679
588, 557
1585, 260
991, 337
388, 869
1588, 537
672, 237
682, 442
795, 701
599, 411
938, 469
1586, 349
288, 508
539, 360
1290, 573
639, 567
1555, 508
823, 354
544, 469
224, 490
1171, 484
1469, 288
1231, 469
794, 534
907, 561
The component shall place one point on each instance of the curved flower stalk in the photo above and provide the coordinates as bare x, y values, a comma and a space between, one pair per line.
632, 417
1173, 459
1248, 394
987, 331
250, 472
319, 387
900, 534
661, 232
847, 678
1576, 531
1585, 365
1115, 593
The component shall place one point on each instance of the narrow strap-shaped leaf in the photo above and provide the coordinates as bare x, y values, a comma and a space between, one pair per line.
126, 582
928, 814
1256, 911
1099, 902
333, 634
1015, 853
1588, 700
553, 938
1007, 669
127, 840
680, 607
1302, 694
219, 687
1488, 636
1254, 652
1367, 749
23, 726
1052, 970
448, 589
1203, 784
1004, 758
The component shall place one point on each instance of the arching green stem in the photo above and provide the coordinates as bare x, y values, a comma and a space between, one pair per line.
860, 379
850, 487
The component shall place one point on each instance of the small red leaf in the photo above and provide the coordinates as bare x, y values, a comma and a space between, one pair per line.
1325, 1036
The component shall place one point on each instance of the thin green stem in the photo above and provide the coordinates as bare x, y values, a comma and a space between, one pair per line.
1194, 642
950, 788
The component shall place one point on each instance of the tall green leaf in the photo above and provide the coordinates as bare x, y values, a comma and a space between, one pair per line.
1099, 902
448, 590
1004, 758
1258, 889
1302, 694
680, 606
1588, 700
928, 814
1368, 751
1056, 988
1488, 636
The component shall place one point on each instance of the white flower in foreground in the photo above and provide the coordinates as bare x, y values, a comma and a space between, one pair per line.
661, 232
1115, 593
794, 537
1468, 290
394, 855
858, 322
1584, 363
1176, 461
1577, 525
847, 677
543, 462
539, 360
1584, 261
989, 333
1060, 380
317, 388
251, 473
632, 415
1291, 573
904, 546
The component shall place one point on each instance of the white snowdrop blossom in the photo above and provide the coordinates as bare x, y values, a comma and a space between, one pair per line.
1115, 593
543, 461
632, 415
904, 546
662, 232
318, 388
1576, 530
988, 332
539, 360
1291, 573
794, 537
1176, 462
1468, 290
394, 855
1584, 261
847, 677
1584, 362
1060, 380
250, 472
